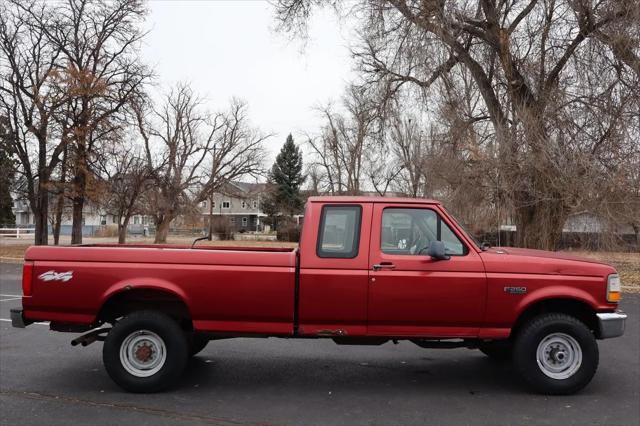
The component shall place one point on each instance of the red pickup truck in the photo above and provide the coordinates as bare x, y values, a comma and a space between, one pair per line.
368, 271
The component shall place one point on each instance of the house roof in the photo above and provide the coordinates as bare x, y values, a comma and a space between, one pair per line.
249, 187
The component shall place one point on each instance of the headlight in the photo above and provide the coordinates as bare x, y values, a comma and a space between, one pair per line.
613, 288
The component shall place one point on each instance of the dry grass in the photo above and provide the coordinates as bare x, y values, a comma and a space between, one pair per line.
627, 264
13, 251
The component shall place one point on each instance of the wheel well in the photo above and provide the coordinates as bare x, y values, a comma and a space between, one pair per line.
577, 309
127, 301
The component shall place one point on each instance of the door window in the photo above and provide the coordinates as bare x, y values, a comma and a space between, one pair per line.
339, 234
407, 231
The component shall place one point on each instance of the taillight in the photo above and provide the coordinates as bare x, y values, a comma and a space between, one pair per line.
27, 278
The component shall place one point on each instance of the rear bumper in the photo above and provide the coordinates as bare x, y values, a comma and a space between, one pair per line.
611, 324
18, 320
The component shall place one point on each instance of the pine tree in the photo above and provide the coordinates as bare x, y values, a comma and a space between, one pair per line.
6, 176
285, 179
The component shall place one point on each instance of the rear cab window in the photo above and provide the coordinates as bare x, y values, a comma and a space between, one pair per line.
339, 233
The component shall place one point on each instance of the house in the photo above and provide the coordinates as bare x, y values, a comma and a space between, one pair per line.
588, 222
94, 218
22, 212
239, 203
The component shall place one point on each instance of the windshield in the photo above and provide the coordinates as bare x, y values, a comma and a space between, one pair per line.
464, 228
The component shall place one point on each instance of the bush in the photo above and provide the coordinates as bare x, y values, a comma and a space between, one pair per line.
223, 228
106, 231
288, 232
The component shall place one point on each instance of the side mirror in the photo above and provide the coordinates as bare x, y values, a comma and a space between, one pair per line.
437, 251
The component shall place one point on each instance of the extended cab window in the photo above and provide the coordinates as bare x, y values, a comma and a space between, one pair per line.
339, 231
409, 232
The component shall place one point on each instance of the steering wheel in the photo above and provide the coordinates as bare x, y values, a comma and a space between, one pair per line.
417, 245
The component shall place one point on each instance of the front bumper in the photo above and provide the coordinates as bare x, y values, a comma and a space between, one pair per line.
611, 324
17, 319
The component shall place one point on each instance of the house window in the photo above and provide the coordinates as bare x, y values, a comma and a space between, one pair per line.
255, 204
103, 219
203, 204
136, 220
226, 204
243, 205
145, 220
213, 204
245, 222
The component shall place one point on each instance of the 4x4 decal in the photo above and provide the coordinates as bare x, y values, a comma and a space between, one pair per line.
56, 276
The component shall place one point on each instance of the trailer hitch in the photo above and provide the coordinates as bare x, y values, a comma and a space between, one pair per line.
90, 337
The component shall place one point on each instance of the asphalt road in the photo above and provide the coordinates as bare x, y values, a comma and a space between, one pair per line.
44, 380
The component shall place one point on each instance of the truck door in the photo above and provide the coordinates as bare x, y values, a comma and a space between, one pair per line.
411, 294
334, 272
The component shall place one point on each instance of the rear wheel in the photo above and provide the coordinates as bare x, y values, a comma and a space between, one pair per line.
556, 354
146, 351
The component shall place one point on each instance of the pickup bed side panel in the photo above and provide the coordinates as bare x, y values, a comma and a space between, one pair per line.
229, 297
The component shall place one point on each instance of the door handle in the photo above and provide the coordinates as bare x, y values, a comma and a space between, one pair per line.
384, 265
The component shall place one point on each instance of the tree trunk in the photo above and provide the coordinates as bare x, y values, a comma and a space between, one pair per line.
539, 224
76, 226
57, 224
60, 202
40, 215
122, 230
79, 191
636, 231
162, 230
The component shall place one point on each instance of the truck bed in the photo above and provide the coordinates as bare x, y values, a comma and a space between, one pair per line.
226, 289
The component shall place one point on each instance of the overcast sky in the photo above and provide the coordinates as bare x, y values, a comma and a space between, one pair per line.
230, 48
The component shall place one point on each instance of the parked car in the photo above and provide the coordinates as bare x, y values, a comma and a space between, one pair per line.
367, 271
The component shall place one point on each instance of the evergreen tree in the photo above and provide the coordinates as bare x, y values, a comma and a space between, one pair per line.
6, 176
285, 180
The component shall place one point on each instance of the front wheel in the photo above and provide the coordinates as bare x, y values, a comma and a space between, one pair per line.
146, 351
556, 354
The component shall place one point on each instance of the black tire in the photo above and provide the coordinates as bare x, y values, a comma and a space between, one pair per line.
544, 328
155, 325
499, 350
197, 344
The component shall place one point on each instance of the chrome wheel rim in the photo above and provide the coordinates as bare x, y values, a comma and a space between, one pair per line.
559, 356
143, 353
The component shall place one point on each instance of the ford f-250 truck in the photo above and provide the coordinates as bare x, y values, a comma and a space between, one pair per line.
367, 271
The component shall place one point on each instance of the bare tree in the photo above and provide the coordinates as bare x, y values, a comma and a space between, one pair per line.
237, 153
556, 82
126, 179
29, 75
72, 67
102, 74
192, 153
340, 148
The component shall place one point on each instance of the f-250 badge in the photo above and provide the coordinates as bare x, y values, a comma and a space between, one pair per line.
515, 290
56, 276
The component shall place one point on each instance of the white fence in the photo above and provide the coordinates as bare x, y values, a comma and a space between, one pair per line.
16, 232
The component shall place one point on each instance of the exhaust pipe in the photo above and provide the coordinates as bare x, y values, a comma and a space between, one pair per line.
90, 337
